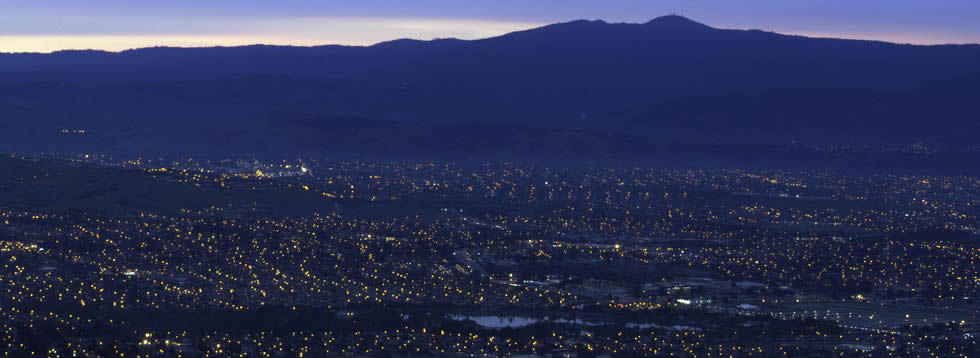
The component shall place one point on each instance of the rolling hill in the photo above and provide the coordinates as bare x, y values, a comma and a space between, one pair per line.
669, 80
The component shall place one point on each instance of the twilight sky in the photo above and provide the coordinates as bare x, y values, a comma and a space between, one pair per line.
49, 25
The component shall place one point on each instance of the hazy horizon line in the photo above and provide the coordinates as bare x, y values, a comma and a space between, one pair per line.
461, 29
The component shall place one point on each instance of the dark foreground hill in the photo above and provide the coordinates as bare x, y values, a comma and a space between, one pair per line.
62, 186
584, 88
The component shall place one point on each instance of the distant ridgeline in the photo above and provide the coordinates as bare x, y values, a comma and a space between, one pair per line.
667, 90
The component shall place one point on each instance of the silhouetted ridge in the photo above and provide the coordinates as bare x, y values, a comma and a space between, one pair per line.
677, 23
581, 22
670, 77
408, 44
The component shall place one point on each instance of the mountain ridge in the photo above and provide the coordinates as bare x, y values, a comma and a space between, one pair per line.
670, 77
668, 22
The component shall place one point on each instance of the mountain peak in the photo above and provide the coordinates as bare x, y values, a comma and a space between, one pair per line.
676, 22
